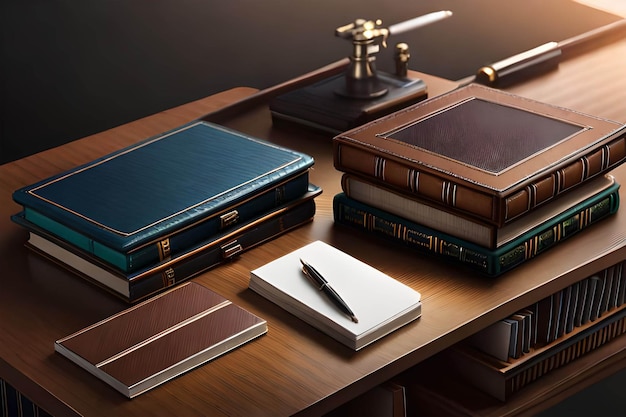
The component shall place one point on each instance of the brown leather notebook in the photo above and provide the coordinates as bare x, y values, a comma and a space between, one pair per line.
483, 152
161, 338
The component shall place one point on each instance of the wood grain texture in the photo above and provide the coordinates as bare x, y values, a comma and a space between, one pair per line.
294, 369
592, 82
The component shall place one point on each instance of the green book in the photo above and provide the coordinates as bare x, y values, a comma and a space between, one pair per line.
212, 252
491, 262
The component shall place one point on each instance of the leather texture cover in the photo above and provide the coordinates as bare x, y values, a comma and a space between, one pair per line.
183, 186
161, 338
464, 227
210, 253
484, 152
489, 262
318, 105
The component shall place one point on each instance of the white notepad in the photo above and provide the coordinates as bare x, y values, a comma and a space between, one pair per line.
381, 303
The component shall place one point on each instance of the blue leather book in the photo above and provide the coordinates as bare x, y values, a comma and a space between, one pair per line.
147, 202
212, 252
491, 262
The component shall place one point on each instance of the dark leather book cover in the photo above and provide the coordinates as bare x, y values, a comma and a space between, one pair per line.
318, 106
141, 204
159, 339
483, 152
210, 253
465, 227
490, 262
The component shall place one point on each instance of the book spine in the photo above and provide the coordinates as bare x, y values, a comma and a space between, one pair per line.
568, 351
352, 213
204, 260
180, 240
419, 211
408, 177
567, 303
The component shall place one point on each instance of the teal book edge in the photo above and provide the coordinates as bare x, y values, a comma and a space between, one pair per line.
379, 223
210, 253
144, 203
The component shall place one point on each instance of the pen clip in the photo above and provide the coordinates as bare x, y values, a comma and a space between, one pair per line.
311, 278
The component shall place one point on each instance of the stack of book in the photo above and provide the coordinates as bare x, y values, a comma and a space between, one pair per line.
479, 176
514, 352
159, 212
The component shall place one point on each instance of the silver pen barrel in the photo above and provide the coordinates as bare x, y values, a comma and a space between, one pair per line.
418, 22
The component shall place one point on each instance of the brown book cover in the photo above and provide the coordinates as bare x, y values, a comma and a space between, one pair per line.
446, 220
161, 338
483, 152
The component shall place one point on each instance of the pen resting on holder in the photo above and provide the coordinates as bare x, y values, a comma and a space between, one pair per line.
361, 93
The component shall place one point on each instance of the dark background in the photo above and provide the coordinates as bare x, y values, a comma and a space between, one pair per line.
72, 68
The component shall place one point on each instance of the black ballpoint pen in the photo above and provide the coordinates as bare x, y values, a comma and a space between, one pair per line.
323, 285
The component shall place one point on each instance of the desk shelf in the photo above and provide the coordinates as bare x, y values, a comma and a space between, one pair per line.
442, 392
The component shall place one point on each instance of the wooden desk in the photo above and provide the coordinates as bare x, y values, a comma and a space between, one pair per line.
294, 369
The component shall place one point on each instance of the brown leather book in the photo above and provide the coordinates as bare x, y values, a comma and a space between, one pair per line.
161, 338
482, 152
447, 221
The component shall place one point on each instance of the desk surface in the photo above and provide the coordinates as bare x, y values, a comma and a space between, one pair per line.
294, 368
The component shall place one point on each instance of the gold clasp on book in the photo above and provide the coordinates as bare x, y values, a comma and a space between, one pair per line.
231, 249
229, 218
165, 250
168, 277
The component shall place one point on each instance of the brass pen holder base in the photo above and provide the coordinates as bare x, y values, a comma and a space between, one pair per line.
322, 105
